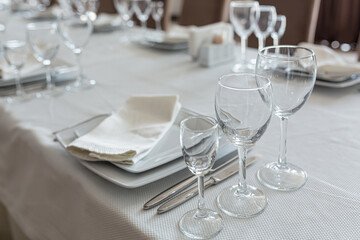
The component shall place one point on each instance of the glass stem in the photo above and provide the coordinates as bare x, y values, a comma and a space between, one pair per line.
143, 25
158, 25
80, 76
243, 50
19, 88
276, 41
283, 128
201, 202
242, 187
261, 43
49, 84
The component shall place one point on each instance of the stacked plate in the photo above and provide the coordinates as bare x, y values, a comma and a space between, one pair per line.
338, 80
164, 159
162, 42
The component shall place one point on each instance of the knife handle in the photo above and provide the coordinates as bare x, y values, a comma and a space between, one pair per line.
169, 193
180, 199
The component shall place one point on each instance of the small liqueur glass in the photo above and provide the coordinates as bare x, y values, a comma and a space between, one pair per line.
199, 138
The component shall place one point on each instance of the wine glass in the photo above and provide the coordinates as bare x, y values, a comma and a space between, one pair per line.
89, 7
76, 30
44, 42
157, 12
279, 29
142, 10
15, 53
243, 16
199, 138
243, 106
292, 71
265, 24
126, 11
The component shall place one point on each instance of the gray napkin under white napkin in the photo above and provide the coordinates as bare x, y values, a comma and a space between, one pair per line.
331, 65
129, 133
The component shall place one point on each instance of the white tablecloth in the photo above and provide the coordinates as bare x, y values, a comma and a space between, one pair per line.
51, 195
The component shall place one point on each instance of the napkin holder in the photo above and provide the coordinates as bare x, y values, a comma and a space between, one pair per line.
215, 54
217, 33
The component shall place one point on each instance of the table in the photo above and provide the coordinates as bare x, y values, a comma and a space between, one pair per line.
50, 195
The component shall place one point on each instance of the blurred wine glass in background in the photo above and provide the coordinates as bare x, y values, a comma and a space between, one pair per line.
265, 24
157, 12
44, 42
243, 16
76, 30
279, 29
142, 10
15, 53
125, 8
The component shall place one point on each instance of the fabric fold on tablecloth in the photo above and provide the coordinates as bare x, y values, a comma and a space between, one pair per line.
130, 133
331, 65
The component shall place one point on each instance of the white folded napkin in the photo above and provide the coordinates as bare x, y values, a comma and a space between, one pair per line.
131, 132
217, 33
331, 65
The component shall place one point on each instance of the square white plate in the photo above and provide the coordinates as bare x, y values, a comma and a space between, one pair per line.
164, 160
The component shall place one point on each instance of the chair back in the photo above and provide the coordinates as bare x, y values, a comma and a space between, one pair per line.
203, 12
106, 6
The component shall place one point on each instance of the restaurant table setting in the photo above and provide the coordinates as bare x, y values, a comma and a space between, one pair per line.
88, 164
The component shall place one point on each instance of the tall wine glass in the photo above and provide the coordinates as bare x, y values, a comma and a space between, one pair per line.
292, 71
243, 16
279, 29
243, 106
142, 10
157, 12
15, 53
44, 42
76, 30
126, 11
199, 138
265, 24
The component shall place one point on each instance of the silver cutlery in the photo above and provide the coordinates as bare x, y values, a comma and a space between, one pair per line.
213, 180
177, 188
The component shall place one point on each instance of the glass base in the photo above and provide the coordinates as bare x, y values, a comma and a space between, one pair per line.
282, 178
50, 93
242, 205
81, 85
248, 67
201, 227
19, 98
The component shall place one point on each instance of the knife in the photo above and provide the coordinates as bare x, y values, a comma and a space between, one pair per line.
175, 189
213, 180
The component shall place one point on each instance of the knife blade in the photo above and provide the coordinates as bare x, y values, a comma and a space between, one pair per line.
178, 187
213, 180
